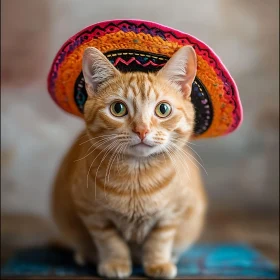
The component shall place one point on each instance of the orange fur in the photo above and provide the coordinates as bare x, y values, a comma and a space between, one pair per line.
109, 194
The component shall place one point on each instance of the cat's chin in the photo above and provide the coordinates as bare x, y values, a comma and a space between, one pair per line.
142, 150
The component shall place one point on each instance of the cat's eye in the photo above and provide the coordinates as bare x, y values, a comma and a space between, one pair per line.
163, 110
118, 109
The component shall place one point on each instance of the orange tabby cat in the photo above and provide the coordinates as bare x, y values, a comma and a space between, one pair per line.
129, 189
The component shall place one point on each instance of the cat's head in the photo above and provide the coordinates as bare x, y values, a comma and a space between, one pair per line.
140, 114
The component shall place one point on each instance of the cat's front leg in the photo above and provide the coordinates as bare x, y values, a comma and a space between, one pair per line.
157, 251
113, 252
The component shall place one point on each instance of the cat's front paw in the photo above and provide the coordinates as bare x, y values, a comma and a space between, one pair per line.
162, 271
115, 269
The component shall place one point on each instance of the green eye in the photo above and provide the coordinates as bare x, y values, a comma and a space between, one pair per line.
163, 110
118, 109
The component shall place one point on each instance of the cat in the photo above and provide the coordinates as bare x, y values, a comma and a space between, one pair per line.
129, 189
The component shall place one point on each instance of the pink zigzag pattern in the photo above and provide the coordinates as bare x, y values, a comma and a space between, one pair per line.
119, 59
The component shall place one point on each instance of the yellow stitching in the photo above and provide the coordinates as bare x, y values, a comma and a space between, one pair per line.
145, 55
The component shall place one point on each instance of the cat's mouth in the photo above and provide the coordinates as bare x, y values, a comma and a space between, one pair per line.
142, 149
142, 145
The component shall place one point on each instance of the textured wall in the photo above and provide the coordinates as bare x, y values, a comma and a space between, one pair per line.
242, 167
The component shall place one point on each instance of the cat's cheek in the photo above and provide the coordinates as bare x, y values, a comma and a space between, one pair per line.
186, 128
94, 127
182, 127
154, 122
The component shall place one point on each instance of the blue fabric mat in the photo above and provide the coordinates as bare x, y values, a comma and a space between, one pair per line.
220, 260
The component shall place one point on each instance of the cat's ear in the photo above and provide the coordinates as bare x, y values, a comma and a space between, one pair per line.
97, 69
181, 69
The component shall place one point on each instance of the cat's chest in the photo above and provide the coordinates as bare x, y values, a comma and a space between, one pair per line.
135, 216
134, 207
138, 193
136, 227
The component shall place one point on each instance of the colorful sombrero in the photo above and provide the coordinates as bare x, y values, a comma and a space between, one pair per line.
136, 45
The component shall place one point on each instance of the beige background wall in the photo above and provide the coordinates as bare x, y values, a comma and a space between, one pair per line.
243, 167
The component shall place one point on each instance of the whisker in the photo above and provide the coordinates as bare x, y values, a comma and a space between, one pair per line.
82, 136
93, 162
183, 164
109, 148
102, 141
110, 160
195, 153
186, 143
189, 155
120, 157
168, 151
107, 176
191, 143
99, 141
101, 136
162, 150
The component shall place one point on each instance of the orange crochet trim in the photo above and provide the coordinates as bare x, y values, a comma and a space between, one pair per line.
222, 109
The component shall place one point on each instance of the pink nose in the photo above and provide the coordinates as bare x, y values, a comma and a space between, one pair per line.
141, 131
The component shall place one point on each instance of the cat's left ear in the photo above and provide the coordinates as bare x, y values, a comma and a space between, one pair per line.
181, 69
97, 69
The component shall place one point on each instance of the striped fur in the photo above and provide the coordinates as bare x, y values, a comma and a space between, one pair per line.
110, 195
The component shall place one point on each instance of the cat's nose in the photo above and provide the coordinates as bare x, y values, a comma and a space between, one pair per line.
141, 132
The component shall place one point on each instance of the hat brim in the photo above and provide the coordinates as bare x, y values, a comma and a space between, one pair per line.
136, 45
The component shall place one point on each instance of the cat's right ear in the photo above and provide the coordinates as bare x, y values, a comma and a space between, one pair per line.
181, 69
97, 69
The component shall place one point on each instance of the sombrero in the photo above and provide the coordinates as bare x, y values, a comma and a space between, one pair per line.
137, 45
